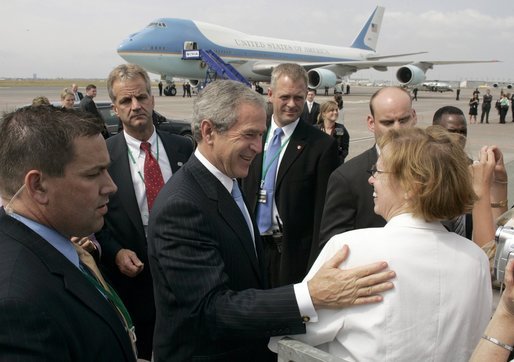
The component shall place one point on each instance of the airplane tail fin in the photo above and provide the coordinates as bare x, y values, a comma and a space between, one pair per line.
368, 36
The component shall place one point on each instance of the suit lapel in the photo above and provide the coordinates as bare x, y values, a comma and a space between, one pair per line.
296, 145
175, 155
73, 280
227, 208
120, 172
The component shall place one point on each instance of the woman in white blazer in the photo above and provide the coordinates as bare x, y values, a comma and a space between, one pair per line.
441, 301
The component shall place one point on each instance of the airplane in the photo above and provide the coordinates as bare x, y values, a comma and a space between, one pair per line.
436, 86
160, 48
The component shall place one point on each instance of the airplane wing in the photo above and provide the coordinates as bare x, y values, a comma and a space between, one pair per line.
342, 68
365, 64
377, 57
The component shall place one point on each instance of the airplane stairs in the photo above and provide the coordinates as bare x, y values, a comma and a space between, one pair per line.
218, 68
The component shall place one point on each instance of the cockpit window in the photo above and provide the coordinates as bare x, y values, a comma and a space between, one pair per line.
156, 24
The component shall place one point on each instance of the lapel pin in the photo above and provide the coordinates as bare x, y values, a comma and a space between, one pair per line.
299, 147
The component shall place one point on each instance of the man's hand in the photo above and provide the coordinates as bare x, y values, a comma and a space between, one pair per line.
332, 287
128, 263
85, 243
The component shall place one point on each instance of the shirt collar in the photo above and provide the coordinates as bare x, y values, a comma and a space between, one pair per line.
134, 145
288, 129
409, 220
226, 181
58, 241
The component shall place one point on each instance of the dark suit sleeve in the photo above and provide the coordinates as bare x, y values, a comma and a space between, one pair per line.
34, 337
328, 162
340, 207
188, 270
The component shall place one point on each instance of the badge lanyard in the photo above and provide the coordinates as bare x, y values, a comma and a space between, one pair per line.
265, 168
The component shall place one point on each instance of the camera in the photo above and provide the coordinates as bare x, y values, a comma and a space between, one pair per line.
504, 251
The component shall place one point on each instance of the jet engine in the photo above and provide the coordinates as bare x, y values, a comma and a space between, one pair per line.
410, 75
509, 86
321, 78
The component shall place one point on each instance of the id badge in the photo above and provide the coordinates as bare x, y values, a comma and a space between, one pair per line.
262, 196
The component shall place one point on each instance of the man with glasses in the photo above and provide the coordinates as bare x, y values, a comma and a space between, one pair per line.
349, 201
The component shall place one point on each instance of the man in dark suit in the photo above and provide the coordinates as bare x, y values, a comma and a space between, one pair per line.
305, 160
54, 185
123, 238
310, 109
349, 202
206, 255
87, 104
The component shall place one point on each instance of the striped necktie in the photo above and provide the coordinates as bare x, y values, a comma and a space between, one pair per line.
92, 273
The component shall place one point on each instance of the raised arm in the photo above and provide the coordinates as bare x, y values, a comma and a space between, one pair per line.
499, 334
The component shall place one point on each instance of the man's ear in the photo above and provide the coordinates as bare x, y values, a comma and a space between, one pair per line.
115, 109
414, 117
270, 93
37, 186
371, 123
207, 131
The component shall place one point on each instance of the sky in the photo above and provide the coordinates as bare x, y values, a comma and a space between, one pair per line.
63, 39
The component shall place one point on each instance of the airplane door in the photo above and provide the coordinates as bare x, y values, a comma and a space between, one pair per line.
190, 45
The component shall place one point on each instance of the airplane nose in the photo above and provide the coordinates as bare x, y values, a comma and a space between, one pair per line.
129, 44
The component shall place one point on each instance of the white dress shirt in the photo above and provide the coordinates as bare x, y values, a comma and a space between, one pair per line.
137, 166
437, 311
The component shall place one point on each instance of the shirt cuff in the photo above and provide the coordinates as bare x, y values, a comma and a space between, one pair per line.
304, 301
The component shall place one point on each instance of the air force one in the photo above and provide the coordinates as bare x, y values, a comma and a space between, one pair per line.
160, 49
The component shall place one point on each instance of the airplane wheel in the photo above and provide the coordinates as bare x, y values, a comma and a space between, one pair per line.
170, 91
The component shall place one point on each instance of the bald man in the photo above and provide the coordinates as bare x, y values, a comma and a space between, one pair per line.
349, 201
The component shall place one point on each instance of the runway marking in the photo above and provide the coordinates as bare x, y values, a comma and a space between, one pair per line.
352, 140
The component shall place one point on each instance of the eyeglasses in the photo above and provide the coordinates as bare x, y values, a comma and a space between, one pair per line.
374, 171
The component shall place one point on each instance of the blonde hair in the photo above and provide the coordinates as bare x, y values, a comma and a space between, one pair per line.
326, 107
432, 166
67, 92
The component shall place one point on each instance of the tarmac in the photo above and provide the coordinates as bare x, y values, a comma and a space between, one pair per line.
355, 111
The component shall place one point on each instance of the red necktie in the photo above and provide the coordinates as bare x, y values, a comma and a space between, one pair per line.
153, 176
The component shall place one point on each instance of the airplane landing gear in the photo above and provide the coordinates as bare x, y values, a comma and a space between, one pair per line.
170, 90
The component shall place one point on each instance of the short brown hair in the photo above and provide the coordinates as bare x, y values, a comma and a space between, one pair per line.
291, 70
434, 167
42, 138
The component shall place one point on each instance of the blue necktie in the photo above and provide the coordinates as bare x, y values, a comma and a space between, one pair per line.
238, 198
265, 209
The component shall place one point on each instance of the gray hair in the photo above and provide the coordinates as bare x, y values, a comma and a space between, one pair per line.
125, 72
219, 103
291, 70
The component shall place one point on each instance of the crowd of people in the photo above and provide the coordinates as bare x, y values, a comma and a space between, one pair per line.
139, 246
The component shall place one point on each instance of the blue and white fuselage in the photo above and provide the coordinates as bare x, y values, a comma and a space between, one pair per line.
159, 48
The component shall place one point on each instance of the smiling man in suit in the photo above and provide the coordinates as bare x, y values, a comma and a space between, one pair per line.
139, 173
286, 186
54, 185
206, 255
